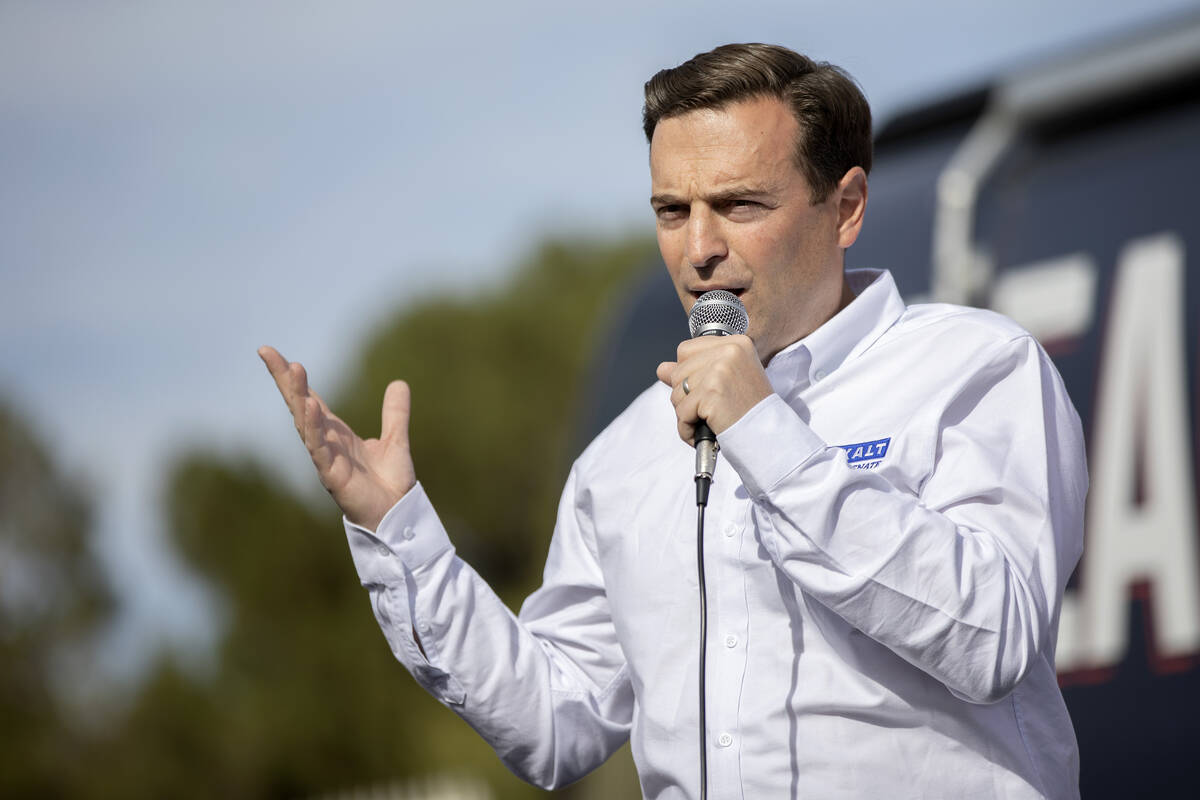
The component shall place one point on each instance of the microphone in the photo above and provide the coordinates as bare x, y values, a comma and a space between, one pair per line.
716, 313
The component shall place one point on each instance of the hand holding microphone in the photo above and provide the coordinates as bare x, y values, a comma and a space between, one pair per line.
724, 377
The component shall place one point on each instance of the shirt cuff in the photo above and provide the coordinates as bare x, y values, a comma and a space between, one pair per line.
767, 444
410, 535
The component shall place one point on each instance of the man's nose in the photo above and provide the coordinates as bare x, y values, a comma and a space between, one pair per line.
705, 241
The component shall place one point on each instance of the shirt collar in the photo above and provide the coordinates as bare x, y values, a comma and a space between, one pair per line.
875, 307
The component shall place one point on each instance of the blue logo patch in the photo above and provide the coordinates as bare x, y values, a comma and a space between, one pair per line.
866, 455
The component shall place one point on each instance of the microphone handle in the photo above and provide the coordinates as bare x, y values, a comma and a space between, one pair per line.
706, 460
706, 441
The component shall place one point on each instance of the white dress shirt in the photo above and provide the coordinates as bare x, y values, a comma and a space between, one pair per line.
888, 539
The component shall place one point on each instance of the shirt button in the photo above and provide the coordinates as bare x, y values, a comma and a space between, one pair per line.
730, 529
383, 550
423, 627
819, 375
724, 740
731, 641
409, 533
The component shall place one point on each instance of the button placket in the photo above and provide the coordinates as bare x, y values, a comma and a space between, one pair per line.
728, 617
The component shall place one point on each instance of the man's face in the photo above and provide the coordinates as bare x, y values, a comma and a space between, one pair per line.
734, 212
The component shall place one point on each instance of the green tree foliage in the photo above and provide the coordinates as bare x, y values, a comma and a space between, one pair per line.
53, 602
305, 698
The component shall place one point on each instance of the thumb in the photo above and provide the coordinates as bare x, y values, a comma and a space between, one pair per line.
397, 408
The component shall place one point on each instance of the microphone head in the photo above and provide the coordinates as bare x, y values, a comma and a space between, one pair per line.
718, 313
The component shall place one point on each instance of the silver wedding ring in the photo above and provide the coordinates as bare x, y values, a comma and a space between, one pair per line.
686, 390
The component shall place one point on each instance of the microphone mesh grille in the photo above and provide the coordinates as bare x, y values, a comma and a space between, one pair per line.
718, 312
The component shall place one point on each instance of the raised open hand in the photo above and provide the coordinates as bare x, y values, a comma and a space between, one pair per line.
364, 477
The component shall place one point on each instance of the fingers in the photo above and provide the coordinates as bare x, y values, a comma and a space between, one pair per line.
666, 372
364, 477
716, 379
687, 404
320, 402
670, 374
277, 365
309, 411
271, 357
397, 409
687, 432
325, 436
313, 430
283, 371
290, 379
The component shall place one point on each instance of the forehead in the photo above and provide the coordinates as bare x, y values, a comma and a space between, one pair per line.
748, 140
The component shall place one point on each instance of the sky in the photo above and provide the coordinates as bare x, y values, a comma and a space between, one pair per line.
182, 182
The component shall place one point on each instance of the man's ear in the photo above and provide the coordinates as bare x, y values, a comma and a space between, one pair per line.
851, 198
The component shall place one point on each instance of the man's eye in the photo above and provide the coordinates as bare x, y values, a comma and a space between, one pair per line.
670, 212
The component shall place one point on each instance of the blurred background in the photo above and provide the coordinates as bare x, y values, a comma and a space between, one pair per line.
455, 194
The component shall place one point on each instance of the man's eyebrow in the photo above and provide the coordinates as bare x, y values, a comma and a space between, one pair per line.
740, 191
725, 195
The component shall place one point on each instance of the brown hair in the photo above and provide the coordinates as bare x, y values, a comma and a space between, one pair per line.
835, 120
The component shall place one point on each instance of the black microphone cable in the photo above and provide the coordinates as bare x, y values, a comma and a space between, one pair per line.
716, 313
702, 483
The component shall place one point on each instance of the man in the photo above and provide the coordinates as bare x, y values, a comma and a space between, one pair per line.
894, 518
